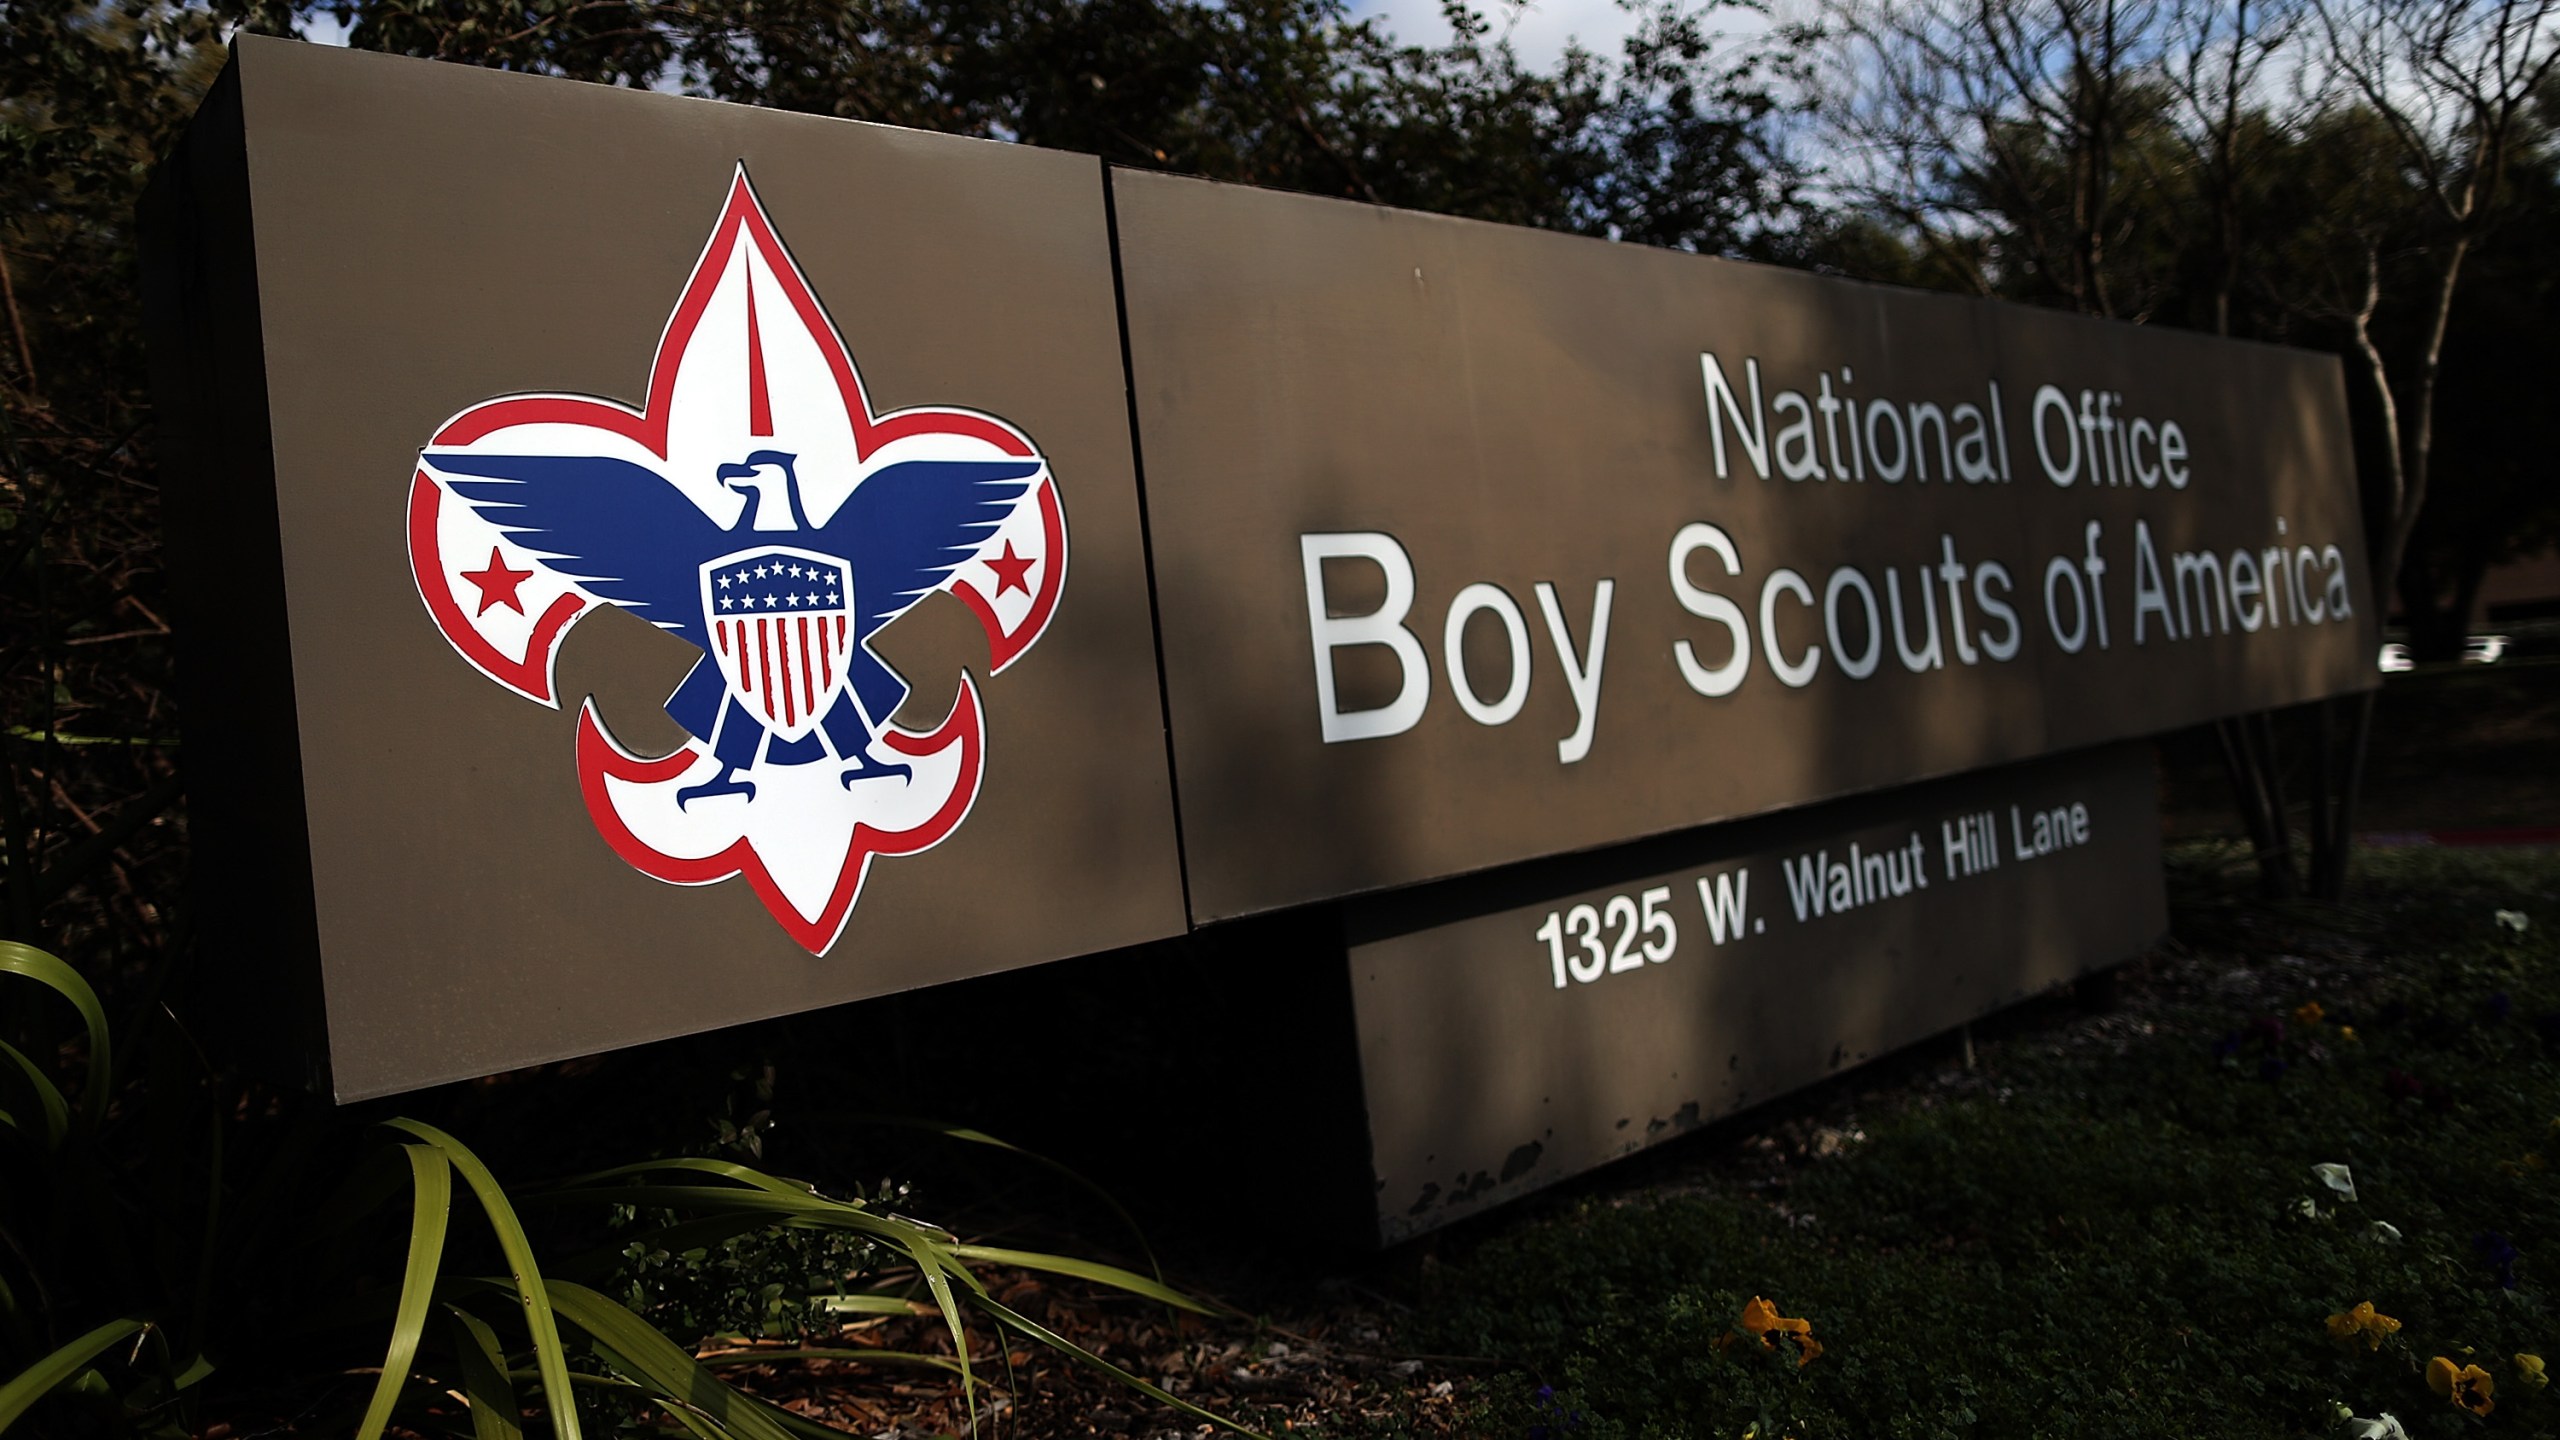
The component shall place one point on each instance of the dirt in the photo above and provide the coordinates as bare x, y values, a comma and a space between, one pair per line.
1320, 1353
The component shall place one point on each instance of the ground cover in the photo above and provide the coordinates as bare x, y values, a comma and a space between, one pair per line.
2113, 1222
2115, 1226
2090, 1220
2095, 1228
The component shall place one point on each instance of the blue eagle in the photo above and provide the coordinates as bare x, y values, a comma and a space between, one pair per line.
630, 538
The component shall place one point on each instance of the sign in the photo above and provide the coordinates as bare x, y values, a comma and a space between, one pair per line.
694, 513
648, 565
1518, 1030
685, 558
1474, 543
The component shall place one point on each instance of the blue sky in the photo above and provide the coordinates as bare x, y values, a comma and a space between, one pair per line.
1540, 30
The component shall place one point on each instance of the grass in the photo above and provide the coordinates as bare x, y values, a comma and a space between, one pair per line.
2098, 1229
2102, 1229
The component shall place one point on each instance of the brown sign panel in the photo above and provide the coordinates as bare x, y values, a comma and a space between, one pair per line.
1475, 543
651, 564
627, 549
1629, 998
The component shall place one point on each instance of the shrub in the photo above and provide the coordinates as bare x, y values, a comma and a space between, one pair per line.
168, 1261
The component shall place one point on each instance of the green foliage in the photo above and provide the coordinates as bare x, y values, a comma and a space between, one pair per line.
1673, 143
129, 1308
2495, 433
768, 1285
1670, 143
2086, 1242
90, 96
2348, 177
182, 1243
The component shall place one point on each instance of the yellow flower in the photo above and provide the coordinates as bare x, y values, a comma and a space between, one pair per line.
2529, 1372
2468, 1388
2362, 1323
2346, 1032
2308, 1013
1761, 1318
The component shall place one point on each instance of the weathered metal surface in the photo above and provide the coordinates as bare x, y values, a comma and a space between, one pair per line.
1513, 421
1520, 1028
409, 244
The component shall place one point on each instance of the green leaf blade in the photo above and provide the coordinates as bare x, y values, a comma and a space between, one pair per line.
665, 1365
431, 1207
39, 1380
50, 971
496, 1413
548, 1355
1111, 1275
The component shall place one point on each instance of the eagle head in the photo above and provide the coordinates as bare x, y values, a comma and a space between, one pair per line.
767, 479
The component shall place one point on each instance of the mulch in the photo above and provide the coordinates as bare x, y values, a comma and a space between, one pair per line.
1331, 1368
1325, 1356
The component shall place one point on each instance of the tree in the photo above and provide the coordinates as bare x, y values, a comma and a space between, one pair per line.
2450, 84
2214, 64
90, 95
1995, 133
1668, 144
1672, 143
2069, 153
2132, 160
2496, 428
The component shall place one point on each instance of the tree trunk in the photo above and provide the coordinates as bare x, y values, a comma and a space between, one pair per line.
2324, 788
2409, 492
2333, 851
2437, 623
2410, 449
2257, 790
2466, 591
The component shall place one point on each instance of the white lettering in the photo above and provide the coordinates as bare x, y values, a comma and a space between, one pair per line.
2150, 593
1708, 605
1582, 673
2048, 398
1755, 440
1797, 673
1515, 629
1984, 574
1864, 664
2336, 560
1725, 900
1384, 626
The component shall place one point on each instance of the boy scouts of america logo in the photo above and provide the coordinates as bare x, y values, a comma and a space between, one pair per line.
758, 508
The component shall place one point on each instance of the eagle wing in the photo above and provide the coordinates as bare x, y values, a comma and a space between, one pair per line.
908, 526
618, 529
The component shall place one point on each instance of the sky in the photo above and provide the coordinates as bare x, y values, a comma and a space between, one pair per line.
1539, 29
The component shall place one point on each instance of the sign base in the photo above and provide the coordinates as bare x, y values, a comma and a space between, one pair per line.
1520, 1027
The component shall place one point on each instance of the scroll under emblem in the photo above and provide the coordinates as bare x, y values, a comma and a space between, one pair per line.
755, 507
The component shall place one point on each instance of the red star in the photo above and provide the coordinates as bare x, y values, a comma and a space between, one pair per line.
1010, 570
498, 583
